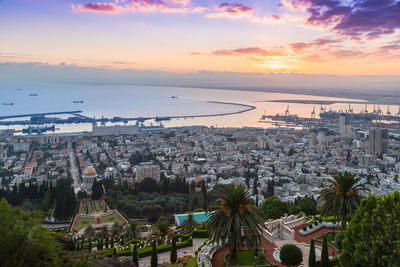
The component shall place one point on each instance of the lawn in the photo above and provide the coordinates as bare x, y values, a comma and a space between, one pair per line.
192, 262
328, 218
246, 258
113, 218
82, 223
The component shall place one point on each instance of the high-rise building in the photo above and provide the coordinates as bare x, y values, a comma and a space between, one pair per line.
344, 120
313, 139
148, 171
378, 141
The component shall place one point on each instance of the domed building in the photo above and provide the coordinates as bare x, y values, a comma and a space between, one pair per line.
88, 176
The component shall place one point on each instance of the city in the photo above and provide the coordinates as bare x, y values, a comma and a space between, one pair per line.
148, 166
200, 133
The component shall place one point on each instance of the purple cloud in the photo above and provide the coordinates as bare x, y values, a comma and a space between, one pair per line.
96, 7
360, 18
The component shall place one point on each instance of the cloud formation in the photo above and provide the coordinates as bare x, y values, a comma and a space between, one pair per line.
135, 6
355, 19
224, 10
256, 51
96, 7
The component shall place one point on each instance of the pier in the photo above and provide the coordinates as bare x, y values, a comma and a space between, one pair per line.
40, 118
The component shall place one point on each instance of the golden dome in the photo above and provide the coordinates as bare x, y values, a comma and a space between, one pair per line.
89, 171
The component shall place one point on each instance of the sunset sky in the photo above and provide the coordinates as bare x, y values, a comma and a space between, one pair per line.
347, 37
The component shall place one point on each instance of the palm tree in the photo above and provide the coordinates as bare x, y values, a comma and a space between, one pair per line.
342, 196
235, 219
189, 224
104, 231
132, 231
116, 229
89, 231
162, 229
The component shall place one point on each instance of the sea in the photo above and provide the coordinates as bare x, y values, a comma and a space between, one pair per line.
144, 101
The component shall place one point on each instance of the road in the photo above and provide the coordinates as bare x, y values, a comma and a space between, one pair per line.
73, 167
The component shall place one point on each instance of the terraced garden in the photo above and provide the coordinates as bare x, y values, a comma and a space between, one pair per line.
113, 218
82, 223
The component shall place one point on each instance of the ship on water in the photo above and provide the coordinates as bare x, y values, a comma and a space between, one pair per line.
78, 101
8, 104
33, 94
174, 96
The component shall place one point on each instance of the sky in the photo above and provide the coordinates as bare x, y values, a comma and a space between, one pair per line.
333, 37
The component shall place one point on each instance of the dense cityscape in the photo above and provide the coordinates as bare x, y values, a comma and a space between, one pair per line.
200, 133
105, 194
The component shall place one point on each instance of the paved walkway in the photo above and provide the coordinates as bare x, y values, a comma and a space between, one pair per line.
164, 257
218, 256
307, 239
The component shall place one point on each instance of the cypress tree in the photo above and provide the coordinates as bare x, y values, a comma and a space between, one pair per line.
154, 259
90, 245
173, 254
324, 253
47, 201
112, 241
135, 258
204, 191
311, 258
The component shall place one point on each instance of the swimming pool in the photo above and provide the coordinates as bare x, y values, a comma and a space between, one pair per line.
198, 217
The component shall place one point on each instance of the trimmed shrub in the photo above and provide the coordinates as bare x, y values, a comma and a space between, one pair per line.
304, 228
291, 255
200, 234
310, 226
146, 251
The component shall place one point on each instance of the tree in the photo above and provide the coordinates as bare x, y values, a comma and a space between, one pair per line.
154, 259
291, 255
342, 196
65, 199
90, 245
162, 229
149, 185
235, 219
306, 205
274, 208
189, 224
135, 257
173, 254
47, 202
372, 238
132, 231
89, 231
24, 242
104, 231
324, 253
97, 190
204, 192
116, 229
311, 259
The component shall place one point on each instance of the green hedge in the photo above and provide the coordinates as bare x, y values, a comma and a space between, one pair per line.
146, 251
200, 234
